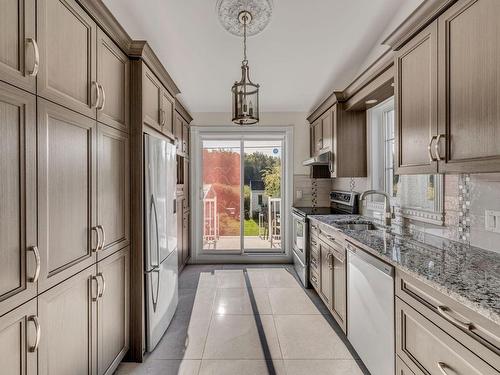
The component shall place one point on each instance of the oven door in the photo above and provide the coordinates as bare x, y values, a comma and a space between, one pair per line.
300, 236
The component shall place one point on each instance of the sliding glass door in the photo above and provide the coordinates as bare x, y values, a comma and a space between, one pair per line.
241, 194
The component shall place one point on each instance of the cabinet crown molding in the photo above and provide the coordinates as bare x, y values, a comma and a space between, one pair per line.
141, 49
182, 111
334, 98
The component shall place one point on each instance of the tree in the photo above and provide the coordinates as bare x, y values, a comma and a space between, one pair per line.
272, 181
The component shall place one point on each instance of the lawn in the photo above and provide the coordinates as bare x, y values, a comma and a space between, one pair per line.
251, 228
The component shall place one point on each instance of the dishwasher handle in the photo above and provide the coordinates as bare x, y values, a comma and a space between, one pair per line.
370, 259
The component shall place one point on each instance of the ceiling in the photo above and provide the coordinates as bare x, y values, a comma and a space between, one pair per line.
308, 49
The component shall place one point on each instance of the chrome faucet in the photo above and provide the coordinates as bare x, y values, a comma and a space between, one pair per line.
389, 211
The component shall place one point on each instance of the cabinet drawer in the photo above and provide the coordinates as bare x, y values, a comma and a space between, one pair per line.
314, 228
426, 349
314, 261
313, 244
477, 333
331, 237
314, 279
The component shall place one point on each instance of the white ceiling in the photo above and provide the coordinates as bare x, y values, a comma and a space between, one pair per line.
308, 49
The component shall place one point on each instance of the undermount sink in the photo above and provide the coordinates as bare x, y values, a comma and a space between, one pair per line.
354, 226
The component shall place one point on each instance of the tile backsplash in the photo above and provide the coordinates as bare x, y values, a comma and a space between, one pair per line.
466, 198
315, 192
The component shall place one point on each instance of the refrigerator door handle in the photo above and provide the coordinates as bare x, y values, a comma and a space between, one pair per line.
155, 298
153, 206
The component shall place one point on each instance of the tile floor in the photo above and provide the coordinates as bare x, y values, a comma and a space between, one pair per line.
248, 320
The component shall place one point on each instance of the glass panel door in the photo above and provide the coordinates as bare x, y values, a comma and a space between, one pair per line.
221, 179
262, 195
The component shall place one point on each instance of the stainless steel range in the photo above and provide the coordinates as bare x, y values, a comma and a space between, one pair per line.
341, 202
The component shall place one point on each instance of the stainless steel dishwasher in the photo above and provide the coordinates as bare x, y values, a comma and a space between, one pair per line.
370, 310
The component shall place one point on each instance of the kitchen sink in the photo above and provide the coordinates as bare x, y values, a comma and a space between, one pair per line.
357, 226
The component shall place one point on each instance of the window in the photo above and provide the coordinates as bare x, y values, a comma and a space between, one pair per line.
260, 199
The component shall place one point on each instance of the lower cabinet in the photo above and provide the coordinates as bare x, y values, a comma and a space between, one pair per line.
339, 297
84, 320
18, 340
112, 311
67, 315
325, 270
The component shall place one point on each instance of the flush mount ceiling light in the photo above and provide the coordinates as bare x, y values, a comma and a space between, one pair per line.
244, 18
371, 101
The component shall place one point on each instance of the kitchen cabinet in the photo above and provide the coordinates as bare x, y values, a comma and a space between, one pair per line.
427, 349
19, 254
325, 274
340, 131
469, 88
18, 46
67, 316
158, 104
113, 76
416, 102
448, 117
183, 216
67, 232
113, 311
19, 333
67, 44
339, 293
185, 138
113, 197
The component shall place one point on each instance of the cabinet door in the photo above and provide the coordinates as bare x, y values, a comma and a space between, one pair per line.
167, 107
185, 138
67, 315
318, 136
113, 196
339, 298
180, 222
112, 311
416, 103
18, 340
18, 47
151, 99
17, 197
113, 75
185, 237
66, 192
67, 42
469, 87
325, 285
178, 132
326, 126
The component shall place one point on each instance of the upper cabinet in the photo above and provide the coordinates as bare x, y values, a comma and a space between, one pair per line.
340, 132
416, 102
447, 90
113, 75
67, 42
469, 87
19, 54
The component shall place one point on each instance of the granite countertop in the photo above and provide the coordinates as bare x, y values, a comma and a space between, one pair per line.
465, 273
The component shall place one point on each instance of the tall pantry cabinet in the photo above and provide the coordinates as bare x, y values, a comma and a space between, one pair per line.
64, 191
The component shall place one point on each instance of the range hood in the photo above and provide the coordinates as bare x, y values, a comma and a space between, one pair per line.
321, 159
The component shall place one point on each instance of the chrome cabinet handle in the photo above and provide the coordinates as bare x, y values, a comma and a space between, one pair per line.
163, 117
442, 310
34, 319
330, 260
314, 243
98, 292
35, 277
36, 52
103, 93
103, 239
429, 148
442, 367
314, 278
97, 95
331, 238
98, 233
436, 146
101, 293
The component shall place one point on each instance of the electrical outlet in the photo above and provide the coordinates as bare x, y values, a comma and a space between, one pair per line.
492, 221
298, 194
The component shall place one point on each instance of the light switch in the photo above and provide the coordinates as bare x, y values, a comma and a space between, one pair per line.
298, 194
492, 221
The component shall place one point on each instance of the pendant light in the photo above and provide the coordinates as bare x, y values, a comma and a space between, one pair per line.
245, 92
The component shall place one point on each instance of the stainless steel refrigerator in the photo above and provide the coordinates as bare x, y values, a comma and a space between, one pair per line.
160, 266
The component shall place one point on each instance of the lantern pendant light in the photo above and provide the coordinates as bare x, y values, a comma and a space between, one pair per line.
245, 92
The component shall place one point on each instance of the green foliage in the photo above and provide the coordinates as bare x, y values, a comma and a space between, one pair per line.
272, 181
251, 228
257, 162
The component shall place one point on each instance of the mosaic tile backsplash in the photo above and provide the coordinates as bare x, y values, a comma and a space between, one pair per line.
466, 198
